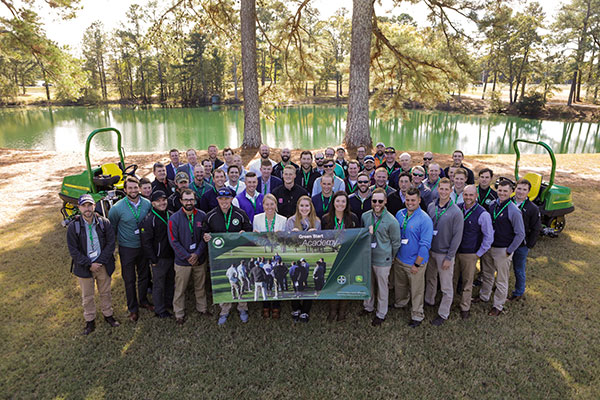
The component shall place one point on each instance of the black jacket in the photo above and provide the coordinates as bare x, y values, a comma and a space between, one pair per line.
215, 221
154, 236
258, 274
287, 199
532, 222
77, 244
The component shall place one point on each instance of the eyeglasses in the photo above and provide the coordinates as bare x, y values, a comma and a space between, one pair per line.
390, 152
427, 158
319, 158
377, 201
188, 200
328, 166
418, 175
361, 182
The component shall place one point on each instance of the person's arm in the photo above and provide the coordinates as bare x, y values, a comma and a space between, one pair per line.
457, 233
246, 224
535, 226
395, 237
178, 248
485, 222
114, 216
147, 234
201, 245
109, 245
425, 240
516, 219
79, 258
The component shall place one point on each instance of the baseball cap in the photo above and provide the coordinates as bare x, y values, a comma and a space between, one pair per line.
86, 198
181, 176
225, 192
369, 158
158, 194
380, 144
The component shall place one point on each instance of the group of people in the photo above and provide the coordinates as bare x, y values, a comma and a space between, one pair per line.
428, 225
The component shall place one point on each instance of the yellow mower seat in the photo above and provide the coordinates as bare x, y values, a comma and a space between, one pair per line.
536, 184
113, 169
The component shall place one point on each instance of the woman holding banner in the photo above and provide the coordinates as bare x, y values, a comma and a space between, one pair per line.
270, 221
305, 219
339, 217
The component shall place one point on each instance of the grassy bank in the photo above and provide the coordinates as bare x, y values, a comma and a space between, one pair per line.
544, 347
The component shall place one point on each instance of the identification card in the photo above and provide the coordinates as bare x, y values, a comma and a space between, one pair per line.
373, 245
94, 254
136, 232
435, 233
404, 241
193, 246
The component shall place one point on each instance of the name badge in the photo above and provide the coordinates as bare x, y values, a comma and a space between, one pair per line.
435, 233
94, 254
373, 245
404, 241
193, 246
136, 232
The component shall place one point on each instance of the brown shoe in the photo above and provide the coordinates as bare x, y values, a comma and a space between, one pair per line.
133, 317
465, 314
205, 313
477, 299
180, 321
494, 312
147, 306
514, 298
266, 312
275, 313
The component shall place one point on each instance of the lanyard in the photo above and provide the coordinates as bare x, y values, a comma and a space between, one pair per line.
191, 223
352, 188
162, 219
323, 202
380, 158
469, 213
406, 218
196, 188
253, 202
272, 224
135, 213
376, 225
481, 201
389, 170
265, 188
338, 226
436, 183
438, 216
521, 206
306, 178
91, 235
228, 219
496, 214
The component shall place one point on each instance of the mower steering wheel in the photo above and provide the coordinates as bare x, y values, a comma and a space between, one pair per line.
503, 178
134, 168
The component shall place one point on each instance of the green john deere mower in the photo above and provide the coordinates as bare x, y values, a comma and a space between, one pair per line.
554, 201
104, 182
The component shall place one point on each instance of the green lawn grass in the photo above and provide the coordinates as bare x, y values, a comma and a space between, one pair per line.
546, 347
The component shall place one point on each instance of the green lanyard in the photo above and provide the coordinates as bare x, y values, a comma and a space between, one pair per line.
135, 213
376, 225
469, 213
521, 206
191, 224
406, 218
352, 189
91, 235
253, 202
380, 158
228, 219
389, 170
323, 201
196, 188
481, 201
265, 189
338, 226
496, 214
272, 224
306, 178
436, 183
236, 187
438, 216
161, 218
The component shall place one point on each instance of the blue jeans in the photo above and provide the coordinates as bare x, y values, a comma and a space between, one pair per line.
519, 262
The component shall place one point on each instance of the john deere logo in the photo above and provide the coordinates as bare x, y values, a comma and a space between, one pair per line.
218, 243
358, 278
235, 222
341, 279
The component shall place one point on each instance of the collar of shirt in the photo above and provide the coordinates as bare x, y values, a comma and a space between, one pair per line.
256, 194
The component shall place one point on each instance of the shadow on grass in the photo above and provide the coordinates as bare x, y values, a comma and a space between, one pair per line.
545, 346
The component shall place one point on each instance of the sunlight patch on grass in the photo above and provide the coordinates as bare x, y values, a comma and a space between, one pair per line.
132, 341
96, 393
563, 372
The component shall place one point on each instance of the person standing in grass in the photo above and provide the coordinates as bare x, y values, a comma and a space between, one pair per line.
271, 221
319, 275
185, 236
125, 217
234, 282
260, 281
447, 235
509, 233
339, 217
385, 242
305, 219
91, 243
221, 219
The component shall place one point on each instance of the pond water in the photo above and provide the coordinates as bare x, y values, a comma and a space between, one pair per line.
65, 129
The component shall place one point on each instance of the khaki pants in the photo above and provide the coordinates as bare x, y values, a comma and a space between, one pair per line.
495, 261
226, 307
102, 280
182, 278
409, 287
465, 264
434, 269
379, 284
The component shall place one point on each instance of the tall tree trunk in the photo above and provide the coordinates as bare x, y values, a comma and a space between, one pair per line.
495, 78
235, 78
590, 73
44, 75
263, 68
523, 87
357, 124
162, 81
578, 97
252, 137
102, 72
143, 78
580, 53
485, 79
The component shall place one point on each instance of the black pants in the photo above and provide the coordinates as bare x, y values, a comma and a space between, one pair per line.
302, 305
319, 283
164, 285
132, 260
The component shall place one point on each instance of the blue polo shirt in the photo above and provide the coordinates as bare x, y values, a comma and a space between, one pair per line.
419, 232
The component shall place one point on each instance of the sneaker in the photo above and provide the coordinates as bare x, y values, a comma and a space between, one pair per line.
414, 323
90, 326
112, 321
222, 319
295, 315
244, 316
438, 321
304, 317
377, 321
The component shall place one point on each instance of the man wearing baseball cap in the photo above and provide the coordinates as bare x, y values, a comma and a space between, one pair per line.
379, 154
91, 243
227, 218
369, 167
182, 182
158, 251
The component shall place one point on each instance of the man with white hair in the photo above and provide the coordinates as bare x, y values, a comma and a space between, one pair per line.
405, 166
264, 152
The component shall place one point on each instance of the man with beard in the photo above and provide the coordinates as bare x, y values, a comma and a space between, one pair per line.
255, 166
305, 175
174, 200
158, 251
319, 161
390, 163
250, 200
199, 185
91, 243
457, 161
125, 217
360, 201
173, 165
213, 150
381, 181
287, 195
361, 153
267, 182
379, 154
161, 182
369, 167
286, 154
353, 168
186, 238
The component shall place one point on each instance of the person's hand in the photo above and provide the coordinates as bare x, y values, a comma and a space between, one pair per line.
242, 231
95, 267
295, 230
193, 259
312, 229
446, 264
207, 237
414, 270
371, 229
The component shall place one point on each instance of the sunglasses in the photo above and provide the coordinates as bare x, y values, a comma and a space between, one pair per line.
390, 152
377, 201
319, 158
361, 182
419, 175
328, 166
427, 158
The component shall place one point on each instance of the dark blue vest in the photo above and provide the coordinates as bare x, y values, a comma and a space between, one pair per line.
503, 229
472, 234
